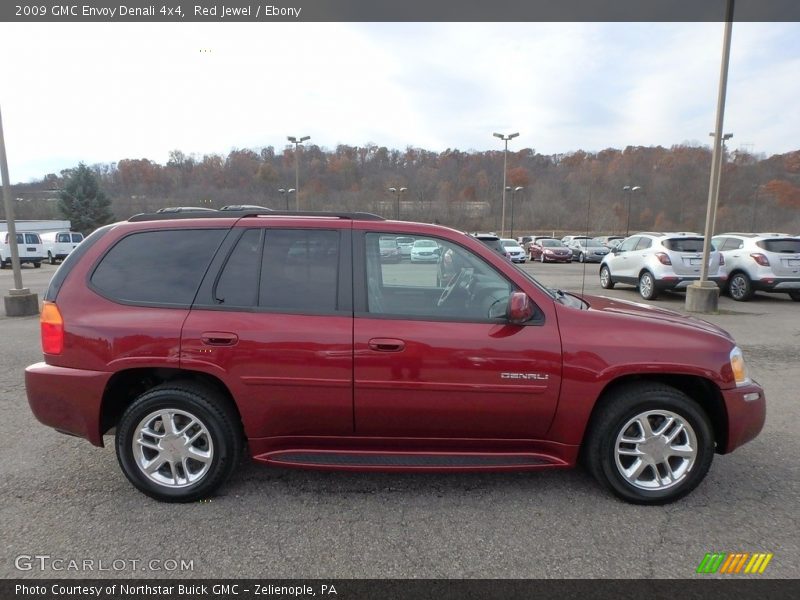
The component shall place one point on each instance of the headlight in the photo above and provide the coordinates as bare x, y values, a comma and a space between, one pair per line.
738, 366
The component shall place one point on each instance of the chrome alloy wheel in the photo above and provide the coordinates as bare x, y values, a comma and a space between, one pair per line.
172, 448
655, 450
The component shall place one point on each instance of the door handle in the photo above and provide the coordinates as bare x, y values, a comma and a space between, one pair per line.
387, 345
219, 338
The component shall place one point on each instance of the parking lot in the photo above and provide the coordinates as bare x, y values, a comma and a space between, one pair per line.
60, 496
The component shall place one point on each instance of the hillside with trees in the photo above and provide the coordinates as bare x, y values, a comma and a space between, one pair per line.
563, 192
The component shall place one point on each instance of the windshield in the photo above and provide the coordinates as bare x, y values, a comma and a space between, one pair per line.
385, 243
510, 243
425, 244
551, 243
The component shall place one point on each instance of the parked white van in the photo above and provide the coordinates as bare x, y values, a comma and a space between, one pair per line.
58, 244
29, 245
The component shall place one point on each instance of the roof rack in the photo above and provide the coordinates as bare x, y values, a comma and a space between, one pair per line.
189, 213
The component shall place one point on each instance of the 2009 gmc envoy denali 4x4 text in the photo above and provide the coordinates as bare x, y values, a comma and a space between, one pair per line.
195, 335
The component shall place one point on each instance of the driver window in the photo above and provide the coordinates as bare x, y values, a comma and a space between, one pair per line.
430, 278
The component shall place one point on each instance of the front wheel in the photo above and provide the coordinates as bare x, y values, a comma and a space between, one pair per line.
178, 442
605, 278
581, 257
647, 286
649, 444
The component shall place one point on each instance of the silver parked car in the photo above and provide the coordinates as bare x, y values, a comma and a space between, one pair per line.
655, 262
766, 262
584, 250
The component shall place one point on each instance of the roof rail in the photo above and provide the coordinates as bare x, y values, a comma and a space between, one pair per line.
188, 213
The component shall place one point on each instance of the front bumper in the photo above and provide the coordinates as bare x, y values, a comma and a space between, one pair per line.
747, 410
68, 400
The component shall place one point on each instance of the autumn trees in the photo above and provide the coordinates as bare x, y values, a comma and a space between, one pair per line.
562, 192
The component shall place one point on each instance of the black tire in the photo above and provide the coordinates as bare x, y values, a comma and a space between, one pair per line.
581, 257
37, 264
611, 420
647, 286
211, 410
795, 296
605, 278
50, 258
3, 264
740, 288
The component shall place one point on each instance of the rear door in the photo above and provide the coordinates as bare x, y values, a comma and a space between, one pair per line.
273, 318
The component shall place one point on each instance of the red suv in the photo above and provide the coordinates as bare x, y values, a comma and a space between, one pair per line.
195, 335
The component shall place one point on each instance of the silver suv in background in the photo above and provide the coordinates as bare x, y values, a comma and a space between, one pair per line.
766, 262
655, 262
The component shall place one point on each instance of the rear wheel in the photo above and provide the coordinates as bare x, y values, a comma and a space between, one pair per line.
178, 442
647, 286
605, 278
649, 444
740, 287
50, 258
795, 296
3, 263
37, 264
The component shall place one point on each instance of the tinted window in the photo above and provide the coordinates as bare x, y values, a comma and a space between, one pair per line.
77, 237
62, 237
629, 244
238, 283
32, 238
158, 267
684, 244
644, 243
787, 246
300, 270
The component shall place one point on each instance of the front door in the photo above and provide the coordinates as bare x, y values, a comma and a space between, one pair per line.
431, 362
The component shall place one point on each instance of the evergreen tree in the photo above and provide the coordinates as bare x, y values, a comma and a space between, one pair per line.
83, 202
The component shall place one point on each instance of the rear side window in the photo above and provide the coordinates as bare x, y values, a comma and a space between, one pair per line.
684, 244
291, 270
62, 237
77, 237
784, 246
157, 267
644, 243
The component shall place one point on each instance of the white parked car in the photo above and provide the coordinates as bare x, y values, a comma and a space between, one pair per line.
655, 262
425, 251
766, 262
29, 245
58, 244
514, 249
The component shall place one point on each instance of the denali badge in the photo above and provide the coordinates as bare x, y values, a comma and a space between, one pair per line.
540, 376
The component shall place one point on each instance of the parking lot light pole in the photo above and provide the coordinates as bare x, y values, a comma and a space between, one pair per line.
19, 302
513, 191
397, 192
285, 193
505, 138
630, 190
297, 143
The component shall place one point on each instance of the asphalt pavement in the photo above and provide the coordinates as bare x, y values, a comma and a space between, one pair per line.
63, 498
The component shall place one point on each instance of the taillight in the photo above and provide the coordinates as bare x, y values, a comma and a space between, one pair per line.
52, 325
760, 259
663, 258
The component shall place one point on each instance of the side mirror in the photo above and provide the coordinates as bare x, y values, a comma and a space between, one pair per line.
519, 309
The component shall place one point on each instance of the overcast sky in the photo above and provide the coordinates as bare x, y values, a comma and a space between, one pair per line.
101, 92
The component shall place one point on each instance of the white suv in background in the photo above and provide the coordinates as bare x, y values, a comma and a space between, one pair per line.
766, 262
655, 262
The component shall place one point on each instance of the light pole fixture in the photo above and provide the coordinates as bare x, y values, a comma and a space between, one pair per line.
505, 138
285, 193
397, 192
297, 141
513, 191
630, 189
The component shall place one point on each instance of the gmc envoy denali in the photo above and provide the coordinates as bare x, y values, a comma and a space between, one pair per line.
195, 335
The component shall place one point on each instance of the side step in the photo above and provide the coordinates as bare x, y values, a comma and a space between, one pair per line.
408, 461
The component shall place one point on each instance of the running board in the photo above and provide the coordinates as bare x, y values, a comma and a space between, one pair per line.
408, 461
